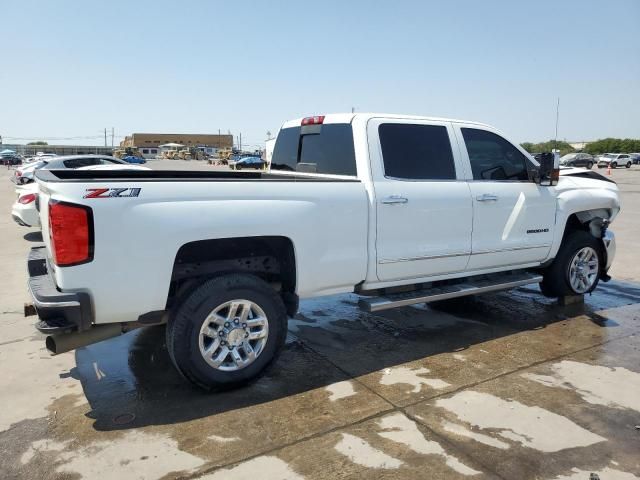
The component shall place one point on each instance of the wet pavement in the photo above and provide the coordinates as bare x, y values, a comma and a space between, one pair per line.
507, 385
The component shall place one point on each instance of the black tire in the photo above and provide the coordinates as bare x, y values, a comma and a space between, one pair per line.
555, 282
183, 329
628, 165
614, 164
590, 165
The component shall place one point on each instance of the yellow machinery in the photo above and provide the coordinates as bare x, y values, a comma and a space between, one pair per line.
126, 152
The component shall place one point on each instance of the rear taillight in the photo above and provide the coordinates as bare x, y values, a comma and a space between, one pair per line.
18, 173
71, 233
28, 198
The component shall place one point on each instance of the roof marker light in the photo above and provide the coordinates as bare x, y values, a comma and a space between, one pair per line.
316, 120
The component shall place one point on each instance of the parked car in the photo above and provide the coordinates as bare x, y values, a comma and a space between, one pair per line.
354, 203
247, 162
26, 173
24, 210
11, 161
635, 158
614, 160
577, 160
134, 160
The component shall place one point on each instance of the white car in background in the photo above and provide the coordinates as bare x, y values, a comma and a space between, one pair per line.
614, 160
24, 210
26, 173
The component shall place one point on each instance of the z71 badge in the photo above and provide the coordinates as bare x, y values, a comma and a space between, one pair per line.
112, 192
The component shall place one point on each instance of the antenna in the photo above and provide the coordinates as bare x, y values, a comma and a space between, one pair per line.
555, 141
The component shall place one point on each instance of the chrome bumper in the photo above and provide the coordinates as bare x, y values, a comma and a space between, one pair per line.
609, 242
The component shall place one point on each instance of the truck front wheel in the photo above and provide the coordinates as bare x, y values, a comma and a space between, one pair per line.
227, 331
576, 268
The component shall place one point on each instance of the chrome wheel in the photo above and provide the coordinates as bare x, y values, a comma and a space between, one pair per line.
584, 269
233, 335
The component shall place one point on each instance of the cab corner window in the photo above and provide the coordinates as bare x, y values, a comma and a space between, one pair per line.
416, 152
492, 157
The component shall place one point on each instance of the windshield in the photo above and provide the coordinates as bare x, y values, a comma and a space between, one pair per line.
610, 155
568, 156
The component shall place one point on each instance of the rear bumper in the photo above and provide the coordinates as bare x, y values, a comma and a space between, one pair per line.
58, 311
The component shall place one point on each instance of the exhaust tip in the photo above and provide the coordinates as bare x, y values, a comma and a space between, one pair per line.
50, 343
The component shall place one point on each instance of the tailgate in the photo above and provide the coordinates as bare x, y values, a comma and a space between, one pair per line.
42, 205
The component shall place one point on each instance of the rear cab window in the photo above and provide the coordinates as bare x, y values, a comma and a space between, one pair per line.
324, 149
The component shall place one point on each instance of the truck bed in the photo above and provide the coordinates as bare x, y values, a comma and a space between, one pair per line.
86, 176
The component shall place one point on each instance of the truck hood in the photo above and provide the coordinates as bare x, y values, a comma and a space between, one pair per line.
589, 190
583, 178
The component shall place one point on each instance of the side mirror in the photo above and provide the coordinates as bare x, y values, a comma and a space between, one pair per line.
549, 170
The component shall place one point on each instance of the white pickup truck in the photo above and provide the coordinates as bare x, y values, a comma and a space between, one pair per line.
398, 209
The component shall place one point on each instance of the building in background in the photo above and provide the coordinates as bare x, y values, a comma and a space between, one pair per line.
148, 144
31, 150
579, 145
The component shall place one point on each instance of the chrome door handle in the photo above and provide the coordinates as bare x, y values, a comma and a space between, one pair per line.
487, 197
393, 199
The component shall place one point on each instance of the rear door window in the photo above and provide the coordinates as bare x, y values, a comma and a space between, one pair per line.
326, 149
416, 152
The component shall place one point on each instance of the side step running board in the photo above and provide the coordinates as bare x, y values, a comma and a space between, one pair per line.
445, 292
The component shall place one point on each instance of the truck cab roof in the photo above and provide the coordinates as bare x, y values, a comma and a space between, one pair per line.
349, 117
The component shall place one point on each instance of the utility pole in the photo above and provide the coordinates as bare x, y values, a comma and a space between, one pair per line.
105, 136
241, 141
112, 134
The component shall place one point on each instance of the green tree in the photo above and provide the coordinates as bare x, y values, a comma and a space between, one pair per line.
38, 143
564, 147
613, 145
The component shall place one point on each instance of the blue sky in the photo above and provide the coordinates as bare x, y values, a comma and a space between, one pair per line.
71, 68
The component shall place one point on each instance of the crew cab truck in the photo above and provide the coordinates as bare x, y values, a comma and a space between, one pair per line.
363, 203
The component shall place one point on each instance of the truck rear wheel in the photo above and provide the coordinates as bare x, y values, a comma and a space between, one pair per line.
576, 268
227, 331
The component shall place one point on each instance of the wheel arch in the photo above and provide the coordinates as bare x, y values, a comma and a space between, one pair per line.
593, 221
271, 258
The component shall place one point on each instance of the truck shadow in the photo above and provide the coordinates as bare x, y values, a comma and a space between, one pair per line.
130, 382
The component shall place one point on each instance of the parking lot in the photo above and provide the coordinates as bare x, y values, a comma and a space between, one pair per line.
506, 385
